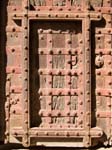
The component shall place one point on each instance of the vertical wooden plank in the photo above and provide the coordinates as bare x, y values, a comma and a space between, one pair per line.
25, 72
87, 51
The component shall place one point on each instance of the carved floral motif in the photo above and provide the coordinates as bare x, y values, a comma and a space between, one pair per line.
99, 62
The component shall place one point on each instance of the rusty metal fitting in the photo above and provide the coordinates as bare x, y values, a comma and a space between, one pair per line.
68, 113
66, 15
69, 51
50, 73
50, 93
69, 83
69, 9
88, 93
88, 100
88, 124
60, 93
26, 121
26, 100
50, 9
69, 41
15, 15
69, 61
60, 9
49, 114
59, 52
69, 92
50, 82
41, 52
37, 15
68, 103
13, 50
51, 51
40, 92
88, 113
41, 113
59, 114
40, 72
25, 15
59, 72
49, 15
77, 134
110, 73
81, 103
56, 15
26, 111
77, 16
56, 133
87, 49
69, 73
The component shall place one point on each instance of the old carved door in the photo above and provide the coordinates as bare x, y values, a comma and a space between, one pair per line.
58, 72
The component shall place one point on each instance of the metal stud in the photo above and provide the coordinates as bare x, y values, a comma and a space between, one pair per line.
59, 51
69, 73
59, 72
69, 51
25, 15
26, 122
50, 93
56, 133
69, 92
67, 134
66, 16
49, 15
88, 100
50, 9
36, 15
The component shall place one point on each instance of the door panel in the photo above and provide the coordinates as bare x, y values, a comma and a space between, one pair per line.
57, 49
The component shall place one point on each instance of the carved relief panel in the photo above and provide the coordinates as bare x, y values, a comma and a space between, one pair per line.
55, 3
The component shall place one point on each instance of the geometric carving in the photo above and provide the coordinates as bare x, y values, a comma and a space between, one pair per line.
73, 102
59, 2
38, 2
74, 82
58, 82
76, 2
97, 3
58, 103
58, 62
58, 120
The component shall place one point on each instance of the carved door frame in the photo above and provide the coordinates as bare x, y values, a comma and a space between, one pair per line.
88, 133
